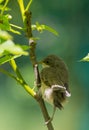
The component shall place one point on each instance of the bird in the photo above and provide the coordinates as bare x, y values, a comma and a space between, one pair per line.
54, 81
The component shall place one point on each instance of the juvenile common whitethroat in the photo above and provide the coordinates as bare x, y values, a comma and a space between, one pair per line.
54, 81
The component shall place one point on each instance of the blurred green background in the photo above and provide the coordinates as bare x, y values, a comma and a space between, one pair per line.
18, 110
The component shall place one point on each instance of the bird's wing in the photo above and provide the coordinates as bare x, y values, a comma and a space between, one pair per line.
51, 77
54, 78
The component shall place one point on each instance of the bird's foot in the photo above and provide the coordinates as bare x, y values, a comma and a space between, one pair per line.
47, 122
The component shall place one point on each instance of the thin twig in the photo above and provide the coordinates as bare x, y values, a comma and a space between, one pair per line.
33, 59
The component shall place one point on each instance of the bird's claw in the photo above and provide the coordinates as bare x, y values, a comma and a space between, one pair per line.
47, 122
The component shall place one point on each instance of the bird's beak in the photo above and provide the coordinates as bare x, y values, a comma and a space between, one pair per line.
42, 63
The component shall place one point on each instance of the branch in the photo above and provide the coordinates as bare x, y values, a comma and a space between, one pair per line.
33, 59
19, 78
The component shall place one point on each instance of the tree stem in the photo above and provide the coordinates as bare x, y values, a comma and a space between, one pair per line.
33, 59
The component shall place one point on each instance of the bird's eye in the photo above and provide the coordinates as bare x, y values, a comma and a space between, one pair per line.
47, 61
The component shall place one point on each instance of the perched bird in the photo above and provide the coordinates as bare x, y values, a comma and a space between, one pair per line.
54, 81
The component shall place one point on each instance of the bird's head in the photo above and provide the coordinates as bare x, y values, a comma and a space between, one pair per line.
51, 61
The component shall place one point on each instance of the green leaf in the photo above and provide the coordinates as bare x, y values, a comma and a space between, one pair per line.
4, 35
25, 47
5, 25
8, 47
41, 28
14, 31
4, 22
10, 51
86, 58
7, 58
15, 26
6, 8
1, 1
45, 27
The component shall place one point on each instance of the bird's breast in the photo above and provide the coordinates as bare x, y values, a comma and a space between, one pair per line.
47, 93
